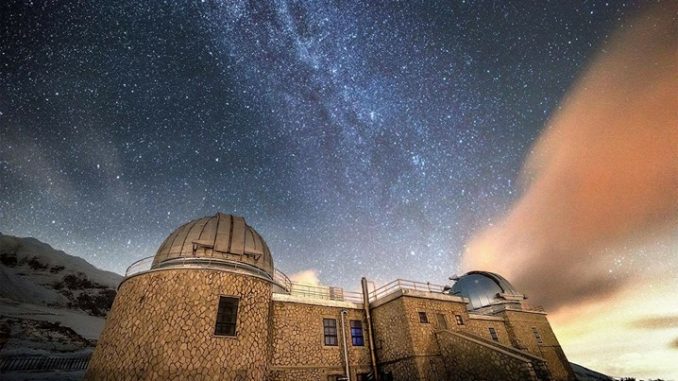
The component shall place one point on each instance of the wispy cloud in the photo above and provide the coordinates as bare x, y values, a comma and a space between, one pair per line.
308, 277
656, 322
602, 178
630, 334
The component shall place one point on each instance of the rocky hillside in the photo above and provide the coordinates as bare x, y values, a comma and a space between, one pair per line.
50, 301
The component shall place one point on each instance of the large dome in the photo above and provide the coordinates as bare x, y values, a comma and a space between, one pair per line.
221, 238
484, 288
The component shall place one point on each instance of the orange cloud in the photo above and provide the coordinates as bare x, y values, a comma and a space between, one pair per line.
306, 277
602, 178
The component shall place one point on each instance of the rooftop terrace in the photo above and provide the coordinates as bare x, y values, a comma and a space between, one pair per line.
284, 286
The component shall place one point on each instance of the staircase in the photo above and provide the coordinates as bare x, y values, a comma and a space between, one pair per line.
469, 357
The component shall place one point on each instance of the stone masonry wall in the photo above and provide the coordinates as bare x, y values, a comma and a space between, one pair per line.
391, 332
480, 326
161, 327
468, 360
298, 350
408, 348
404, 369
520, 326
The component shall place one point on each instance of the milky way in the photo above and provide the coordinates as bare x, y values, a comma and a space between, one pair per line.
358, 139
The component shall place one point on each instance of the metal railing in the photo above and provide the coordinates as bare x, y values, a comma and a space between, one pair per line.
282, 280
36, 362
403, 284
146, 264
500, 306
531, 307
279, 278
287, 286
325, 293
142, 265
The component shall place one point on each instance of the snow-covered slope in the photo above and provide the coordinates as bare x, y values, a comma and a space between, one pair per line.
44, 264
50, 301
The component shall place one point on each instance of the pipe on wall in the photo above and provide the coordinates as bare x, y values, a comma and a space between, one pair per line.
343, 339
370, 334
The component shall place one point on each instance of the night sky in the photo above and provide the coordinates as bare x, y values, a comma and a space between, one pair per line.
358, 139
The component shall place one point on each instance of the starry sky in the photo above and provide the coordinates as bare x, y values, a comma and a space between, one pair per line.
359, 138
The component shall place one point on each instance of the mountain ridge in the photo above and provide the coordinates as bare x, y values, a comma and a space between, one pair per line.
50, 301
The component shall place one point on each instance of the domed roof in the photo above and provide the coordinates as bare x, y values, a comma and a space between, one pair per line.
484, 288
220, 237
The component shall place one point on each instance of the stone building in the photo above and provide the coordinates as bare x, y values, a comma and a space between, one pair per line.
211, 306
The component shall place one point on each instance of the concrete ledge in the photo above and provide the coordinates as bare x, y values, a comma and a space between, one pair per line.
484, 317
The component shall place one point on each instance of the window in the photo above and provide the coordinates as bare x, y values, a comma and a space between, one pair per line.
357, 333
330, 331
537, 336
422, 317
363, 377
442, 322
493, 334
459, 319
227, 315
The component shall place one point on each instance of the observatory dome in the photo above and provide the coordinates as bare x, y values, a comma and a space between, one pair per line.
484, 288
219, 238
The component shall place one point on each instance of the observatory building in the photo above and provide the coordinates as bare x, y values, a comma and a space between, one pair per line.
210, 305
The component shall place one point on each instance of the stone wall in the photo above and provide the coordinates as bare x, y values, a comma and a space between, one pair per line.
298, 350
161, 327
391, 332
466, 359
409, 349
480, 326
520, 324
406, 347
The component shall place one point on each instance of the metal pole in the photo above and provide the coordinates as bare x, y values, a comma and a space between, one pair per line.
343, 339
370, 335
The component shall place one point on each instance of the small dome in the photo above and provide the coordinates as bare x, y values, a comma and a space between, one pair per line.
220, 237
484, 288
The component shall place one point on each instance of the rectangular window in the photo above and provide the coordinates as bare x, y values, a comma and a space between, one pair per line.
493, 334
459, 319
442, 322
362, 376
422, 317
227, 315
330, 331
537, 336
357, 333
